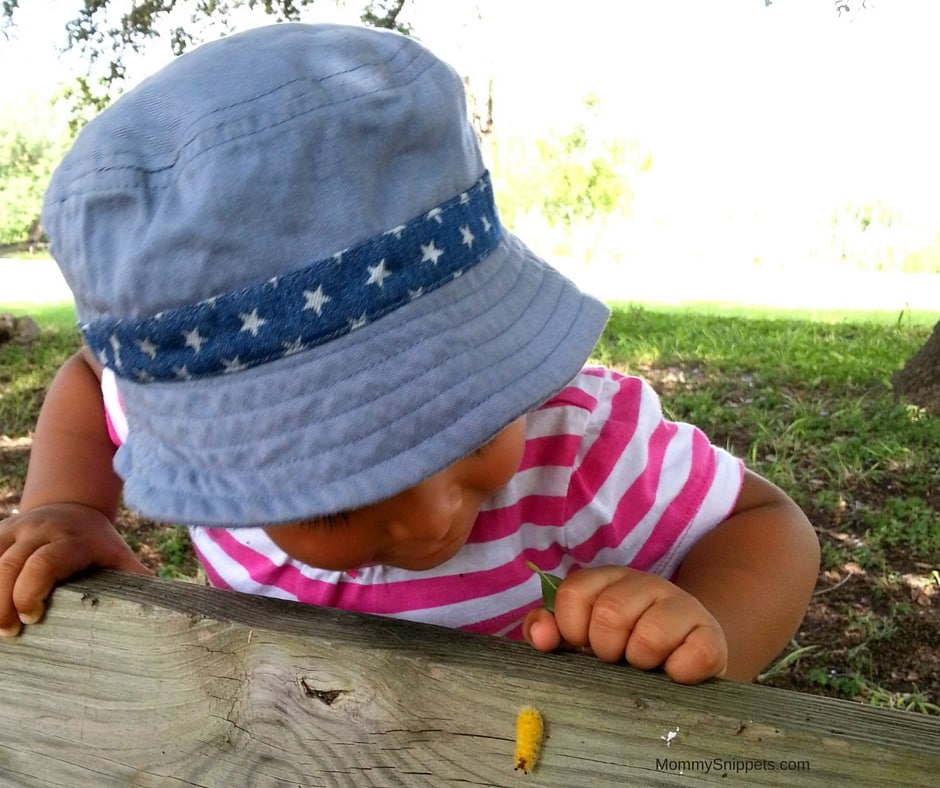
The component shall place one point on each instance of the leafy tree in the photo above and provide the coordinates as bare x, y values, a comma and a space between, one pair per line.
575, 176
105, 31
28, 152
579, 183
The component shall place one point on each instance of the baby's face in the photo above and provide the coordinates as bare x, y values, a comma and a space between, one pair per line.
417, 529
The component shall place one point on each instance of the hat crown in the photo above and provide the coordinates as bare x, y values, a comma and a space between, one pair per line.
250, 157
285, 245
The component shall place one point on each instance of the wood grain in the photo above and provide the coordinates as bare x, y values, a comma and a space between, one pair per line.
144, 682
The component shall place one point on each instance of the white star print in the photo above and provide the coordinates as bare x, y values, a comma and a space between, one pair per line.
357, 322
486, 223
397, 231
194, 339
464, 198
233, 365
148, 348
181, 372
413, 294
316, 300
468, 237
251, 322
435, 214
430, 253
378, 273
293, 347
116, 350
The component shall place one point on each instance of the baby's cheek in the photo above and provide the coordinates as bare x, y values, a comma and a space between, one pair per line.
321, 548
503, 462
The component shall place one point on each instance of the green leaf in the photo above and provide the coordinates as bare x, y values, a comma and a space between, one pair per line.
550, 585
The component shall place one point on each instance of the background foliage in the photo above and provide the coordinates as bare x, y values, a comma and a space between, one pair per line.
581, 184
106, 32
31, 143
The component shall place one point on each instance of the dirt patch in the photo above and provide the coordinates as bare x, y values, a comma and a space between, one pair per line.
875, 636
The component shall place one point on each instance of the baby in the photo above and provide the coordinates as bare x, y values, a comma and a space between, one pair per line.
308, 337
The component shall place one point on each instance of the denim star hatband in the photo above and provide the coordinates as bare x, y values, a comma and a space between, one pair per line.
307, 307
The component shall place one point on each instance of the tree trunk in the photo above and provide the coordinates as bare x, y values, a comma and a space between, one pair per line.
918, 382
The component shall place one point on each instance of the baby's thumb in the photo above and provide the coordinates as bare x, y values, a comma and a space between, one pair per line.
540, 630
134, 565
124, 560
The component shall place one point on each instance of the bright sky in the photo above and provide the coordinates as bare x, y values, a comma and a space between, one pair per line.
731, 89
749, 111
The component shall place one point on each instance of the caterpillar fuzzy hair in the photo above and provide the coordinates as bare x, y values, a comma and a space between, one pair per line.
530, 729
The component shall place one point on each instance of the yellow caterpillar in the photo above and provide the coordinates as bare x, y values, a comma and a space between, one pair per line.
529, 731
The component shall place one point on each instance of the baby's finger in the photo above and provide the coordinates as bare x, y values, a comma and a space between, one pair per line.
661, 630
702, 655
540, 630
35, 614
12, 558
575, 605
44, 567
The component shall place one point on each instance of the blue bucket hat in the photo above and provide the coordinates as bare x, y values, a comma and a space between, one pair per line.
285, 246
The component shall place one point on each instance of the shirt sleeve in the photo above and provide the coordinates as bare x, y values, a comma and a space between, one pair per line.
644, 489
113, 407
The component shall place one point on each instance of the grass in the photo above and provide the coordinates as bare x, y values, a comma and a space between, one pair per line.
855, 685
53, 317
25, 372
40, 252
808, 404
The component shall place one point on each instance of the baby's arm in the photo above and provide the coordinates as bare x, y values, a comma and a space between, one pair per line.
755, 573
738, 598
69, 501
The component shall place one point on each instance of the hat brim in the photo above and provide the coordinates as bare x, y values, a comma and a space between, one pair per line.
358, 420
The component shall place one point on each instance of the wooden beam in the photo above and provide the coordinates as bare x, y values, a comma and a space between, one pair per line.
145, 682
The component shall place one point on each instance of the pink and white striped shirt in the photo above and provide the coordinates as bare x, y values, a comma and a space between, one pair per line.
604, 480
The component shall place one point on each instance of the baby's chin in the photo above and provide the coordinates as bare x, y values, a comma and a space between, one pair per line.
431, 560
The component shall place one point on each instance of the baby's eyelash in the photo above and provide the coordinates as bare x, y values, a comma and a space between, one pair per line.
481, 450
335, 520
328, 521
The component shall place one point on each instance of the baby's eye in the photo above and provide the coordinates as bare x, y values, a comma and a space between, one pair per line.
327, 521
481, 450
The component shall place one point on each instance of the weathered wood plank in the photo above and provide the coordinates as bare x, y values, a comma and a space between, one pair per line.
137, 681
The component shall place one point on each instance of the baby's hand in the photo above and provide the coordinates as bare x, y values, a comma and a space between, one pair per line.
625, 613
47, 544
